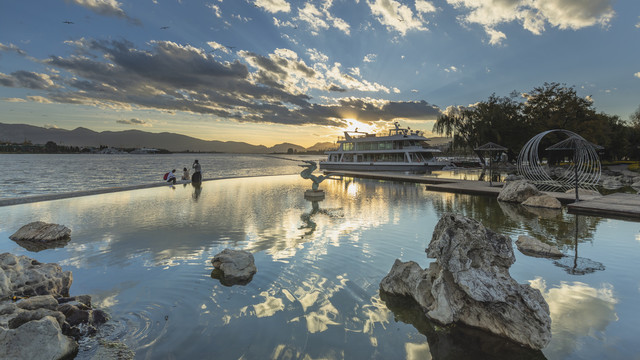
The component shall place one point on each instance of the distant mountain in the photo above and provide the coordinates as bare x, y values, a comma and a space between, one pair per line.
18, 133
321, 146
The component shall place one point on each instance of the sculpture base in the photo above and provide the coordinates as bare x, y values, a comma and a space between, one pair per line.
314, 194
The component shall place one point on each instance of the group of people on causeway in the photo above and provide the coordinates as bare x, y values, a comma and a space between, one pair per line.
170, 177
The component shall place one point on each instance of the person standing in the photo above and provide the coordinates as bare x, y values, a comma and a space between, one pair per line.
197, 172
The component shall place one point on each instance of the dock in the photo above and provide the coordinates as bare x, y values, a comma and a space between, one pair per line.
617, 205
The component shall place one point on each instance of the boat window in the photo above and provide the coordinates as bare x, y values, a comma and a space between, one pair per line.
347, 146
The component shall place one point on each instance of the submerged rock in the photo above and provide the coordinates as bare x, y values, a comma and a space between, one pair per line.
469, 283
533, 247
233, 267
543, 201
518, 191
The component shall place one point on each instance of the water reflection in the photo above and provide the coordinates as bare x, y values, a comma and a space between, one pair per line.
452, 342
575, 265
577, 310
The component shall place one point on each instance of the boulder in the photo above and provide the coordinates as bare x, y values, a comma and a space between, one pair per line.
28, 277
543, 201
611, 183
518, 191
41, 231
469, 283
512, 177
38, 339
233, 267
533, 247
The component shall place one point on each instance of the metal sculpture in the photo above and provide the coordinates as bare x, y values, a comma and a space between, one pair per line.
583, 172
307, 173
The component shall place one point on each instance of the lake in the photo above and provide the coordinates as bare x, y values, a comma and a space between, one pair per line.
144, 256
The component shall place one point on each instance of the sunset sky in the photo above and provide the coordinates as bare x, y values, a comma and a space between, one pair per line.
273, 71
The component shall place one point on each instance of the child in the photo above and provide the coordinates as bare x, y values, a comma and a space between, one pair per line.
185, 174
172, 177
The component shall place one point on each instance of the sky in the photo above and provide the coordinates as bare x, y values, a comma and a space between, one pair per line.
273, 71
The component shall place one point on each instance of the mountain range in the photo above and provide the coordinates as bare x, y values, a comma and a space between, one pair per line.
83, 137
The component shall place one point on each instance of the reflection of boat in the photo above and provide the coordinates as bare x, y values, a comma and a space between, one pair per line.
399, 150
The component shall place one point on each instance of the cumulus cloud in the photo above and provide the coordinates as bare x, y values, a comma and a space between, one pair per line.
534, 15
321, 18
106, 8
398, 17
51, 126
273, 6
171, 77
134, 121
39, 99
637, 74
14, 100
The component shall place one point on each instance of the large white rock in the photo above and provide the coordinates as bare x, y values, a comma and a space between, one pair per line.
28, 277
470, 283
518, 191
38, 339
531, 246
543, 201
236, 267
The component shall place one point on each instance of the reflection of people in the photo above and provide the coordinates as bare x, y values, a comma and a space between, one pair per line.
197, 172
185, 174
172, 177
197, 189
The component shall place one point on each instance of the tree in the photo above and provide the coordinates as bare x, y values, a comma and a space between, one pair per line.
51, 147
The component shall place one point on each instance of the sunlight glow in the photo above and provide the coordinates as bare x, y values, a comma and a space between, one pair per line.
354, 124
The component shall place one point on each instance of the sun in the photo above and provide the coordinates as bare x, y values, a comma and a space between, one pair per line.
353, 124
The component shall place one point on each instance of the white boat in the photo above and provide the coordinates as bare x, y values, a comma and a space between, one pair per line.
399, 150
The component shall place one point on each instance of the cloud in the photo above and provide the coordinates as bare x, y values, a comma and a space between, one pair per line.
134, 121
451, 69
13, 48
171, 77
370, 58
27, 79
106, 8
637, 74
273, 6
14, 100
321, 18
398, 17
215, 8
534, 14
39, 99
51, 126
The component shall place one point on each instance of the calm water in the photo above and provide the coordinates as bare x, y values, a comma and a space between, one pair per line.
145, 256
35, 174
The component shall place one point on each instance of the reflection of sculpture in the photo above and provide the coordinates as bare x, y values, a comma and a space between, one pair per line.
307, 173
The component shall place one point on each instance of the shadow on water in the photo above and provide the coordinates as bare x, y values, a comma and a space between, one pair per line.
457, 341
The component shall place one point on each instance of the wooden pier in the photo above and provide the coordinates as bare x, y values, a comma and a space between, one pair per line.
617, 205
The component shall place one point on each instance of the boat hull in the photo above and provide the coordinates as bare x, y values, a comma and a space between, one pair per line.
380, 166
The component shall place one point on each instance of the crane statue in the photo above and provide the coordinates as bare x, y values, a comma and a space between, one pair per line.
307, 173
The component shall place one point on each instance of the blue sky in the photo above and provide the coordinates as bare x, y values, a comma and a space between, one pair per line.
272, 71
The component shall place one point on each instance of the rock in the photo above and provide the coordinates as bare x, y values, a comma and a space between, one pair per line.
470, 283
543, 201
518, 191
611, 183
113, 350
41, 231
533, 247
512, 177
233, 267
26, 316
583, 192
39, 339
29, 277
37, 302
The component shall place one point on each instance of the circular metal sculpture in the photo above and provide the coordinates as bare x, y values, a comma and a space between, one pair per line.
583, 172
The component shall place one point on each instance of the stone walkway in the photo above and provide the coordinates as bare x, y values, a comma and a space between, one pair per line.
618, 205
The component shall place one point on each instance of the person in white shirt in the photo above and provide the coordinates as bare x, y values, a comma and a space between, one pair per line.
172, 177
185, 174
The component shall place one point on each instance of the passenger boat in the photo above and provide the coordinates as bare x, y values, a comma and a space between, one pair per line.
399, 150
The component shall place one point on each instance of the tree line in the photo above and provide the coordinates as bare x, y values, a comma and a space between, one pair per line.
512, 120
